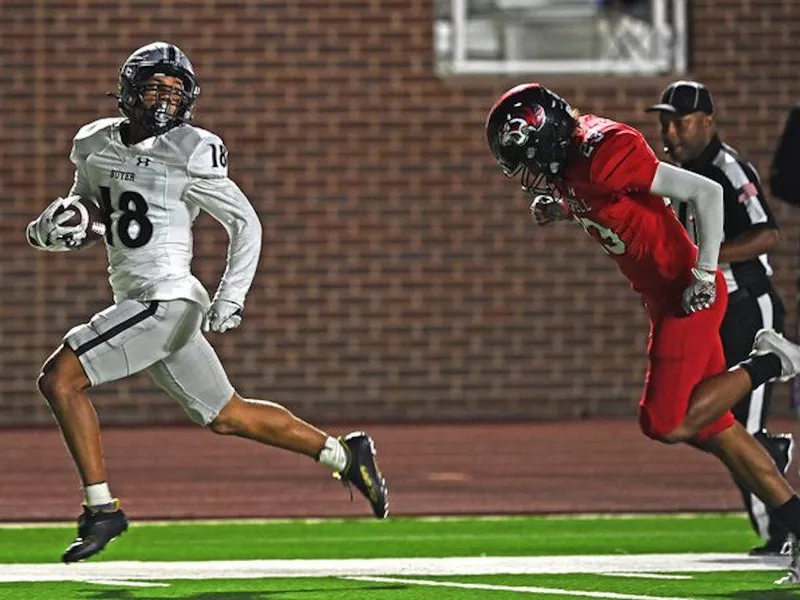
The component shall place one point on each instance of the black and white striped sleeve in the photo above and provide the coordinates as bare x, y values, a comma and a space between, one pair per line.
746, 207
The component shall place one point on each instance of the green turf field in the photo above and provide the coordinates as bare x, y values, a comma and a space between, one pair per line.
621, 558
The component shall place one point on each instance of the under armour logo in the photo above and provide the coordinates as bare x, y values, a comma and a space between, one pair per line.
142, 161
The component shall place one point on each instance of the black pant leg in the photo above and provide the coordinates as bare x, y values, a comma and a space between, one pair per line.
738, 330
747, 314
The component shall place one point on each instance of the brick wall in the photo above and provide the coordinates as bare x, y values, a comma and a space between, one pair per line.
401, 277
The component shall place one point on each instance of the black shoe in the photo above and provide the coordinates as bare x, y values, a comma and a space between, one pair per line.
95, 530
773, 547
779, 446
362, 471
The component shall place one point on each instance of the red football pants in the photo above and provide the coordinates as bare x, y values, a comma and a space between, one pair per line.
684, 350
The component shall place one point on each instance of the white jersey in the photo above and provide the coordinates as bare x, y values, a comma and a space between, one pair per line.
153, 191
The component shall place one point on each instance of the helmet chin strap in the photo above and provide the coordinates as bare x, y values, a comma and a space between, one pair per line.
156, 120
160, 113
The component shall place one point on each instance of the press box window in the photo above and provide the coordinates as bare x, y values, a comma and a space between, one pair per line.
560, 36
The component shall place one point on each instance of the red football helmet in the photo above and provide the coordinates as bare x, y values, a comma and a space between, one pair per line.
529, 129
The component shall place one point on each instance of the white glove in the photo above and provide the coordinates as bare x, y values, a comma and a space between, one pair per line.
49, 233
222, 316
546, 209
701, 293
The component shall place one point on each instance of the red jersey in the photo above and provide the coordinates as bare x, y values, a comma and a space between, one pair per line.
607, 182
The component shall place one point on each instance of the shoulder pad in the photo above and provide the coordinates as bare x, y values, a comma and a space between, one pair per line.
630, 133
92, 137
620, 137
623, 160
101, 126
207, 154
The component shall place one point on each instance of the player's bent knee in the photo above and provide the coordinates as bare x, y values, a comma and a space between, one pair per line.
223, 426
677, 436
227, 421
666, 433
52, 386
50, 382
45, 383
61, 375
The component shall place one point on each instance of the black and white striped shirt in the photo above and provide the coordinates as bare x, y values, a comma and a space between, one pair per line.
745, 209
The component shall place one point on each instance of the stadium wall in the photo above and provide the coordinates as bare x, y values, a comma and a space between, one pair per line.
401, 277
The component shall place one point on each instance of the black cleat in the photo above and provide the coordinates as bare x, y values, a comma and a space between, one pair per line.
779, 446
793, 576
362, 471
772, 547
95, 530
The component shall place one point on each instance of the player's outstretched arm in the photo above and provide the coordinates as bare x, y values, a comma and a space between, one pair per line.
213, 191
224, 201
706, 199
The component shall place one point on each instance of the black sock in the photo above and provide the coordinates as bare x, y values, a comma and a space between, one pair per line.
789, 515
762, 368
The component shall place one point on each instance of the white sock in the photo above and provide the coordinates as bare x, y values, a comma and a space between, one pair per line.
97, 494
333, 455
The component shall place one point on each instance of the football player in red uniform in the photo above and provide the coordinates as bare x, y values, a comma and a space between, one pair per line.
602, 175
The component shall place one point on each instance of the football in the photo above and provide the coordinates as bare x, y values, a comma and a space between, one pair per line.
89, 216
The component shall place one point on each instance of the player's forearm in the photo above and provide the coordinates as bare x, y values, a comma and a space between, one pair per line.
244, 250
224, 201
706, 198
749, 245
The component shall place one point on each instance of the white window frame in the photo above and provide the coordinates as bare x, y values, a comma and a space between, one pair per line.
673, 59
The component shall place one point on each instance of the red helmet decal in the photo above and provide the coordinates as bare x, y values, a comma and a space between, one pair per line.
522, 122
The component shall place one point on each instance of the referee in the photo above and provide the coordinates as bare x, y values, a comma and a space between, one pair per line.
686, 114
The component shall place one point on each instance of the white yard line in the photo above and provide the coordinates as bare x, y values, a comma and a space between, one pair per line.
514, 588
648, 575
401, 567
122, 583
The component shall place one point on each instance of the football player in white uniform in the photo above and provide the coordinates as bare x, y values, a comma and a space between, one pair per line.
151, 172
